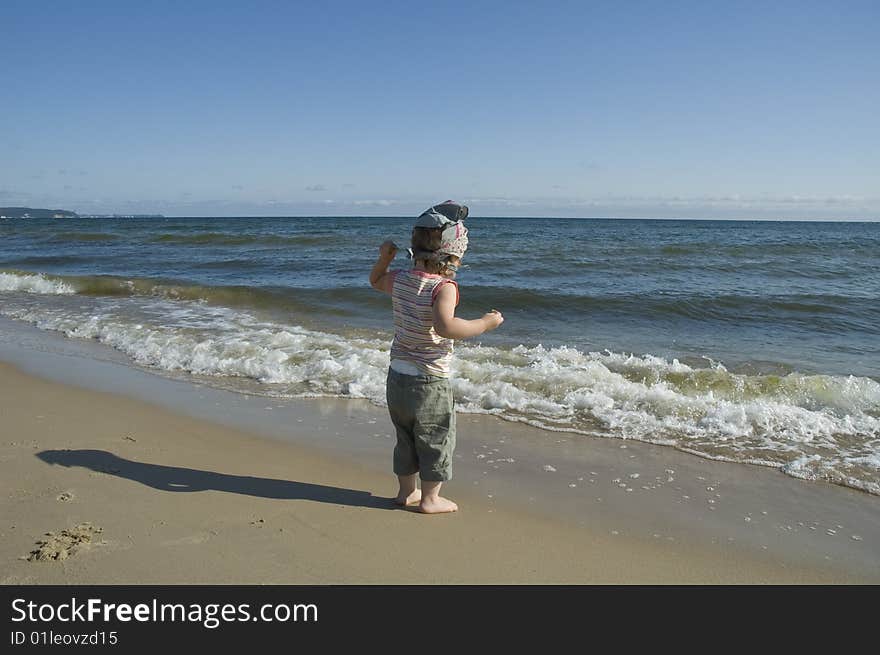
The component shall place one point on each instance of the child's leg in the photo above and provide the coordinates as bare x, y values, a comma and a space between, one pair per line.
406, 463
408, 492
432, 502
434, 430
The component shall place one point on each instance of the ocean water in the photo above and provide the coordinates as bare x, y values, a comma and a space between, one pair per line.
753, 342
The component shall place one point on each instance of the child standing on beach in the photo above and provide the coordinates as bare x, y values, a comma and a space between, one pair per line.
419, 394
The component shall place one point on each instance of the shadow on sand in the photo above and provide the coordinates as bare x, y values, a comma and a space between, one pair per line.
175, 478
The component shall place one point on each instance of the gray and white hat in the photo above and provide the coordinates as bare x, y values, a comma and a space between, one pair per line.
442, 214
448, 216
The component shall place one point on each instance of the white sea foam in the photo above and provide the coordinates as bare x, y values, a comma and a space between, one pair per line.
34, 283
818, 427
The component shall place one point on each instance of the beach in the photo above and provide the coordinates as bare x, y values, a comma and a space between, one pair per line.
160, 481
663, 354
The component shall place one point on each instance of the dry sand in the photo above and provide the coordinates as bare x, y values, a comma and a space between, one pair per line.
134, 493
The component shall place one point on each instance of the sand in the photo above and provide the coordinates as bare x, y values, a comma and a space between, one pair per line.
100, 487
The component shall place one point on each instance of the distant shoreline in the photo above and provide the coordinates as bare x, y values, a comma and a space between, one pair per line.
35, 212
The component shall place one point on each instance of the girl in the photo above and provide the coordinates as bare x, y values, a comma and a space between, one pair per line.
425, 326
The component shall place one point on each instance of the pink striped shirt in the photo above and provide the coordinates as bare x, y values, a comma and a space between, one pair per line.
415, 339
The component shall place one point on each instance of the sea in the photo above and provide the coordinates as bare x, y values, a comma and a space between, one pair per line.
753, 342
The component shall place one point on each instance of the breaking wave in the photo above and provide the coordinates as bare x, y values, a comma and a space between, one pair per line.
810, 426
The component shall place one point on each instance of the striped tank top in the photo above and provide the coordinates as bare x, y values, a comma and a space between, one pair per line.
415, 340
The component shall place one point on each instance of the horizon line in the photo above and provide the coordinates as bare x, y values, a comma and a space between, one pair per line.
584, 218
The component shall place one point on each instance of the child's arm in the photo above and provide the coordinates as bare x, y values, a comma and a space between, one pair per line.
380, 279
447, 325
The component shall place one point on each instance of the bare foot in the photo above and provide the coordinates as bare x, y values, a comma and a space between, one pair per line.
414, 497
437, 505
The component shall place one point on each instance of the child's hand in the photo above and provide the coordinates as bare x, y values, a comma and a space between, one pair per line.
493, 319
388, 249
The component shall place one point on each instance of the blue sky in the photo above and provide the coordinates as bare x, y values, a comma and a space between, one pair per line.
631, 109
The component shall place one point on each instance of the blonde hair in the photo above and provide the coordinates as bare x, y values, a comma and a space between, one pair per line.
428, 239
438, 267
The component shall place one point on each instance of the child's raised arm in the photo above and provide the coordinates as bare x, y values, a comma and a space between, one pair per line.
379, 276
447, 325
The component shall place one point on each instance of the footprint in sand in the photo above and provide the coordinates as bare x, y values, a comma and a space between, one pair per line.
64, 496
60, 546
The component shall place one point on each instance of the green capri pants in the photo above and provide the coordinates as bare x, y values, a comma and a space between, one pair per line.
423, 413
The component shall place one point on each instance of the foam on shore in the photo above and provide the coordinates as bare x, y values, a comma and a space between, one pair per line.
810, 426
